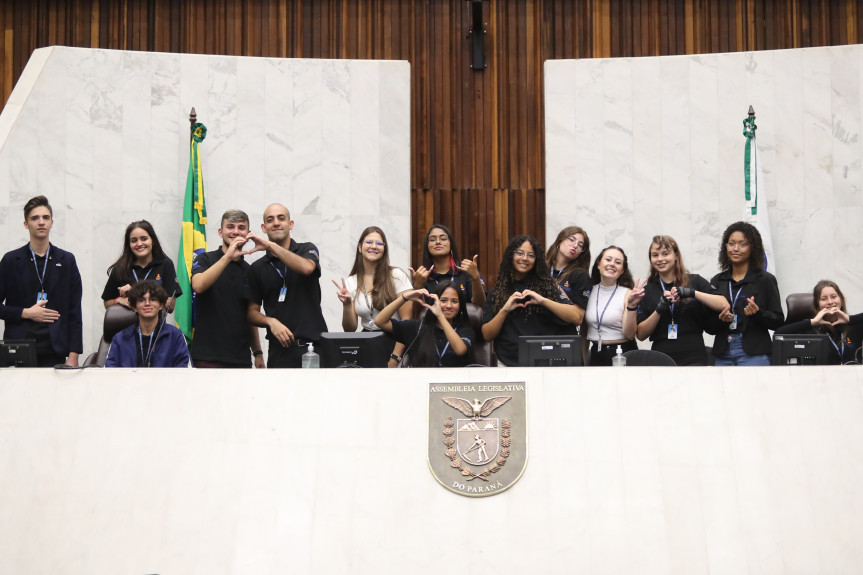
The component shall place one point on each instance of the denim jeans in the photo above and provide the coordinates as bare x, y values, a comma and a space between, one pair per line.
734, 354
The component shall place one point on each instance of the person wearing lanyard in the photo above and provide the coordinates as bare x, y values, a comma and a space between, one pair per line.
525, 301
672, 311
753, 306
223, 338
149, 342
287, 282
40, 292
442, 338
568, 260
441, 262
611, 309
373, 284
845, 332
142, 258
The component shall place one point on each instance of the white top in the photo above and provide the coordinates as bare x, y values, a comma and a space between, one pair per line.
611, 328
363, 301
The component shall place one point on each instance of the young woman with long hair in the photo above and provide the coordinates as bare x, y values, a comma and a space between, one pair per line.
753, 306
443, 338
672, 311
611, 309
830, 316
142, 258
373, 284
525, 301
568, 260
441, 263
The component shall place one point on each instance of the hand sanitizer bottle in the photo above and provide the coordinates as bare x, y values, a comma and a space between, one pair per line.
617, 361
311, 359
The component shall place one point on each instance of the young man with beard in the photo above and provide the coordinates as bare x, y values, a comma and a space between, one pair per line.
223, 337
40, 292
287, 281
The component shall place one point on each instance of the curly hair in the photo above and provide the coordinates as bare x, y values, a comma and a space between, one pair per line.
140, 289
757, 258
625, 278
384, 290
681, 277
537, 279
581, 262
428, 261
121, 270
423, 352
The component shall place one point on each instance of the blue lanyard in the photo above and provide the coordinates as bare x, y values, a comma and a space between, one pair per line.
598, 316
145, 356
278, 271
145, 275
440, 354
841, 351
662, 283
734, 298
41, 278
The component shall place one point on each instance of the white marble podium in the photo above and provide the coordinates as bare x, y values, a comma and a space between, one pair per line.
634, 470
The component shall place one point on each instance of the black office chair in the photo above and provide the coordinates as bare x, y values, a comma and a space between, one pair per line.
799, 307
117, 317
648, 357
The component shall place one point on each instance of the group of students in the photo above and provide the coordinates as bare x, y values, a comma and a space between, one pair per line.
424, 312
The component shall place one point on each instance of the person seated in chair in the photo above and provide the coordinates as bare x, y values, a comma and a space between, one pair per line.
150, 342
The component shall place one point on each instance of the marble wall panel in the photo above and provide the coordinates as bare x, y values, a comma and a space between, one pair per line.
686, 155
104, 134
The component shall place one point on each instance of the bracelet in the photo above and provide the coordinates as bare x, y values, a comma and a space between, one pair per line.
259, 352
395, 357
631, 308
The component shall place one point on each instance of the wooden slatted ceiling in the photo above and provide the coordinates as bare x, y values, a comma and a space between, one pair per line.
477, 138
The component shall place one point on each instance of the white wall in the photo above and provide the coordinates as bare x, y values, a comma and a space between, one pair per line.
690, 471
105, 136
642, 146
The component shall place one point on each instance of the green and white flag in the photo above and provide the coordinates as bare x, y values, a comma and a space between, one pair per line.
754, 201
193, 240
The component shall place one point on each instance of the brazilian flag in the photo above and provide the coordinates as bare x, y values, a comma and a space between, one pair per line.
194, 237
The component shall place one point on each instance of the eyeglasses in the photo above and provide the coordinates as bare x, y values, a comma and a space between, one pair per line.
521, 254
377, 243
441, 238
574, 240
741, 245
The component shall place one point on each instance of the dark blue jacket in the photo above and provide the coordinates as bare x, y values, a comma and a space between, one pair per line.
170, 351
63, 285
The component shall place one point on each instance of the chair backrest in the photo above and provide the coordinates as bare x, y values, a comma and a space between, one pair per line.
799, 307
117, 317
648, 357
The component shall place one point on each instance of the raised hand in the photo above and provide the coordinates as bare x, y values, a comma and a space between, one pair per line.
516, 300
751, 307
470, 267
726, 315
636, 294
419, 276
343, 294
235, 249
261, 244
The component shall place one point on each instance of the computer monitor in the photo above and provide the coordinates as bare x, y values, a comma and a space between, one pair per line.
355, 349
549, 350
800, 349
18, 353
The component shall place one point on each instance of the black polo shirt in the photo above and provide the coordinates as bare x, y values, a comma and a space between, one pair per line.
576, 286
406, 331
221, 329
462, 280
518, 322
301, 311
688, 316
162, 272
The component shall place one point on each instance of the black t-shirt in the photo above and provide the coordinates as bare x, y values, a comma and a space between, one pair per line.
518, 322
161, 271
405, 331
576, 285
687, 314
461, 279
221, 329
301, 311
